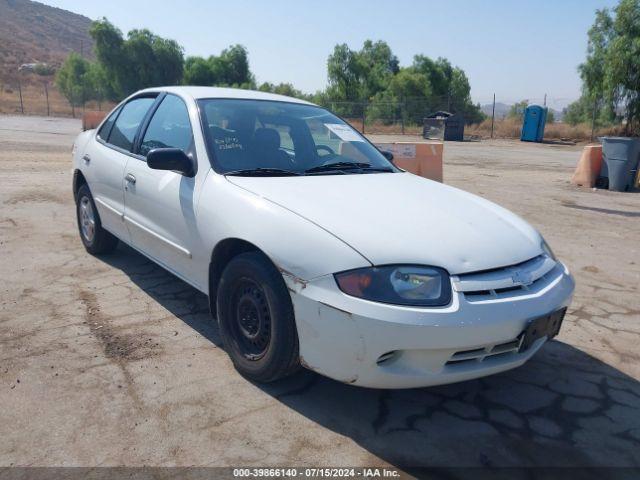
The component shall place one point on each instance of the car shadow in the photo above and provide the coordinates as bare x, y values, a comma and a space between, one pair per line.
563, 408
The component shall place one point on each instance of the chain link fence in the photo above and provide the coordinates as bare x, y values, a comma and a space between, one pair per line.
406, 117
42, 98
401, 117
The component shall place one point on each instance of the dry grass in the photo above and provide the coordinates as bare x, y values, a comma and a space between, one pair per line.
35, 103
511, 128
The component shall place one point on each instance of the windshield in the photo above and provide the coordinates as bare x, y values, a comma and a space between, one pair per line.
258, 137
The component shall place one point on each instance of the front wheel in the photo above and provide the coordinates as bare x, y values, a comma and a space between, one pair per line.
96, 240
256, 319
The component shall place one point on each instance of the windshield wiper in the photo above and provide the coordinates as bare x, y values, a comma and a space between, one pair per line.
339, 166
263, 172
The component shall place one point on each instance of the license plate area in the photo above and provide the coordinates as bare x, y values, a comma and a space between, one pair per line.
546, 326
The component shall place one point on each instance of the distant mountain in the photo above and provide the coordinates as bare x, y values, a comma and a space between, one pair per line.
502, 109
31, 32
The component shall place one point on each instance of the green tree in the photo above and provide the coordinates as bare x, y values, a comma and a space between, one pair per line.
198, 71
74, 81
517, 109
407, 97
345, 75
230, 68
450, 88
141, 60
284, 89
611, 72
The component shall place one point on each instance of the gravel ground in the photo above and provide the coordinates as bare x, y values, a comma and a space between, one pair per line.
113, 361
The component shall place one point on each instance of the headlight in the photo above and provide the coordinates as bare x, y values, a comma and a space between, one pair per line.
547, 250
398, 284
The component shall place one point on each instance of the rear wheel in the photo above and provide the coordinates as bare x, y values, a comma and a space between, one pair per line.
256, 319
95, 239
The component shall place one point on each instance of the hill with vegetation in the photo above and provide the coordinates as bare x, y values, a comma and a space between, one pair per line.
31, 32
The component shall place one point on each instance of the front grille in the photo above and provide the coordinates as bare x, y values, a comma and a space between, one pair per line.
507, 282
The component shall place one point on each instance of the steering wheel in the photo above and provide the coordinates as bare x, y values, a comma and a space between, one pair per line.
326, 148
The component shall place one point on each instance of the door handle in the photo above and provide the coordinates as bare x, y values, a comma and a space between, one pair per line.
130, 178
86, 158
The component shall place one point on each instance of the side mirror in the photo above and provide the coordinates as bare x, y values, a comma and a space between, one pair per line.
173, 159
387, 154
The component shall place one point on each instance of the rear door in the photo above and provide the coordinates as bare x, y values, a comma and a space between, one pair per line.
105, 161
160, 204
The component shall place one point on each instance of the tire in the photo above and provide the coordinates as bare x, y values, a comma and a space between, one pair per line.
96, 240
256, 319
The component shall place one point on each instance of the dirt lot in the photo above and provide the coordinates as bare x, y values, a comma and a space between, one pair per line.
112, 361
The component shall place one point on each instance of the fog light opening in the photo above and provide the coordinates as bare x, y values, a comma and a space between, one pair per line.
386, 358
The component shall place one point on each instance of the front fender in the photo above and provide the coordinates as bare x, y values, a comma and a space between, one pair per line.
299, 248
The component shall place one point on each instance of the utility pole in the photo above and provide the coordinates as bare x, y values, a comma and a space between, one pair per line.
493, 113
46, 94
20, 92
545, 99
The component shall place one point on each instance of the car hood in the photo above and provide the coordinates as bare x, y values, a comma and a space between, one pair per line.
402, 218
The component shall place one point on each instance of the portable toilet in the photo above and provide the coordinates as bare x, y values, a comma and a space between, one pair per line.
535, 118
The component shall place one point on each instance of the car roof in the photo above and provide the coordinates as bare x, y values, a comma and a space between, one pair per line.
221, 92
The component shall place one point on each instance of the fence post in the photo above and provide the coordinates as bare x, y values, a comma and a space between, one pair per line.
46, 95
402, 117
364, 108
493, 113
20, 92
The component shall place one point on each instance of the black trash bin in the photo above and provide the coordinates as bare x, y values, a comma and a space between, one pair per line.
620, 157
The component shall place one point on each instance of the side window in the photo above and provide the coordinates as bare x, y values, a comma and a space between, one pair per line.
126, 126
169, 127
104, 131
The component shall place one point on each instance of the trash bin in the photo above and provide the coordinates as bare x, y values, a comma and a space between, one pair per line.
620, 161
453, 125
433, 129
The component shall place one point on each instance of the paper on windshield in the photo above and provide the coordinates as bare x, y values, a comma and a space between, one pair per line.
344, 132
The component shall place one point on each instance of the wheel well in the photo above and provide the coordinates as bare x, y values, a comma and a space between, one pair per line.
78, 181
222, 254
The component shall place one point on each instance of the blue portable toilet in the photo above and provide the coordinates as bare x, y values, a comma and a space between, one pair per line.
535, 118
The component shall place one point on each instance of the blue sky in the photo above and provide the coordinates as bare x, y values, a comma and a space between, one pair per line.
517, 49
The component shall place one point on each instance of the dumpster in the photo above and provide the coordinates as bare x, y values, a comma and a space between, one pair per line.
535, 119
453, 125
620, 157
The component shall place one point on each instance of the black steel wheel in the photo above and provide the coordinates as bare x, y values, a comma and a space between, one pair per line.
256, 318
252, 320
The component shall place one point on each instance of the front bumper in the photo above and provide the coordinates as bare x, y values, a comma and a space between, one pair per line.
345, 338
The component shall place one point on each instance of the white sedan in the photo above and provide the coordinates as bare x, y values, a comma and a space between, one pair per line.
314, 249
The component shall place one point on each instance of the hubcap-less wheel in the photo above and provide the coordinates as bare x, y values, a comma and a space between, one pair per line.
87, 219
252, 322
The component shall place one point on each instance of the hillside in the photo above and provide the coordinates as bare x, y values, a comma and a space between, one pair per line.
33, 32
